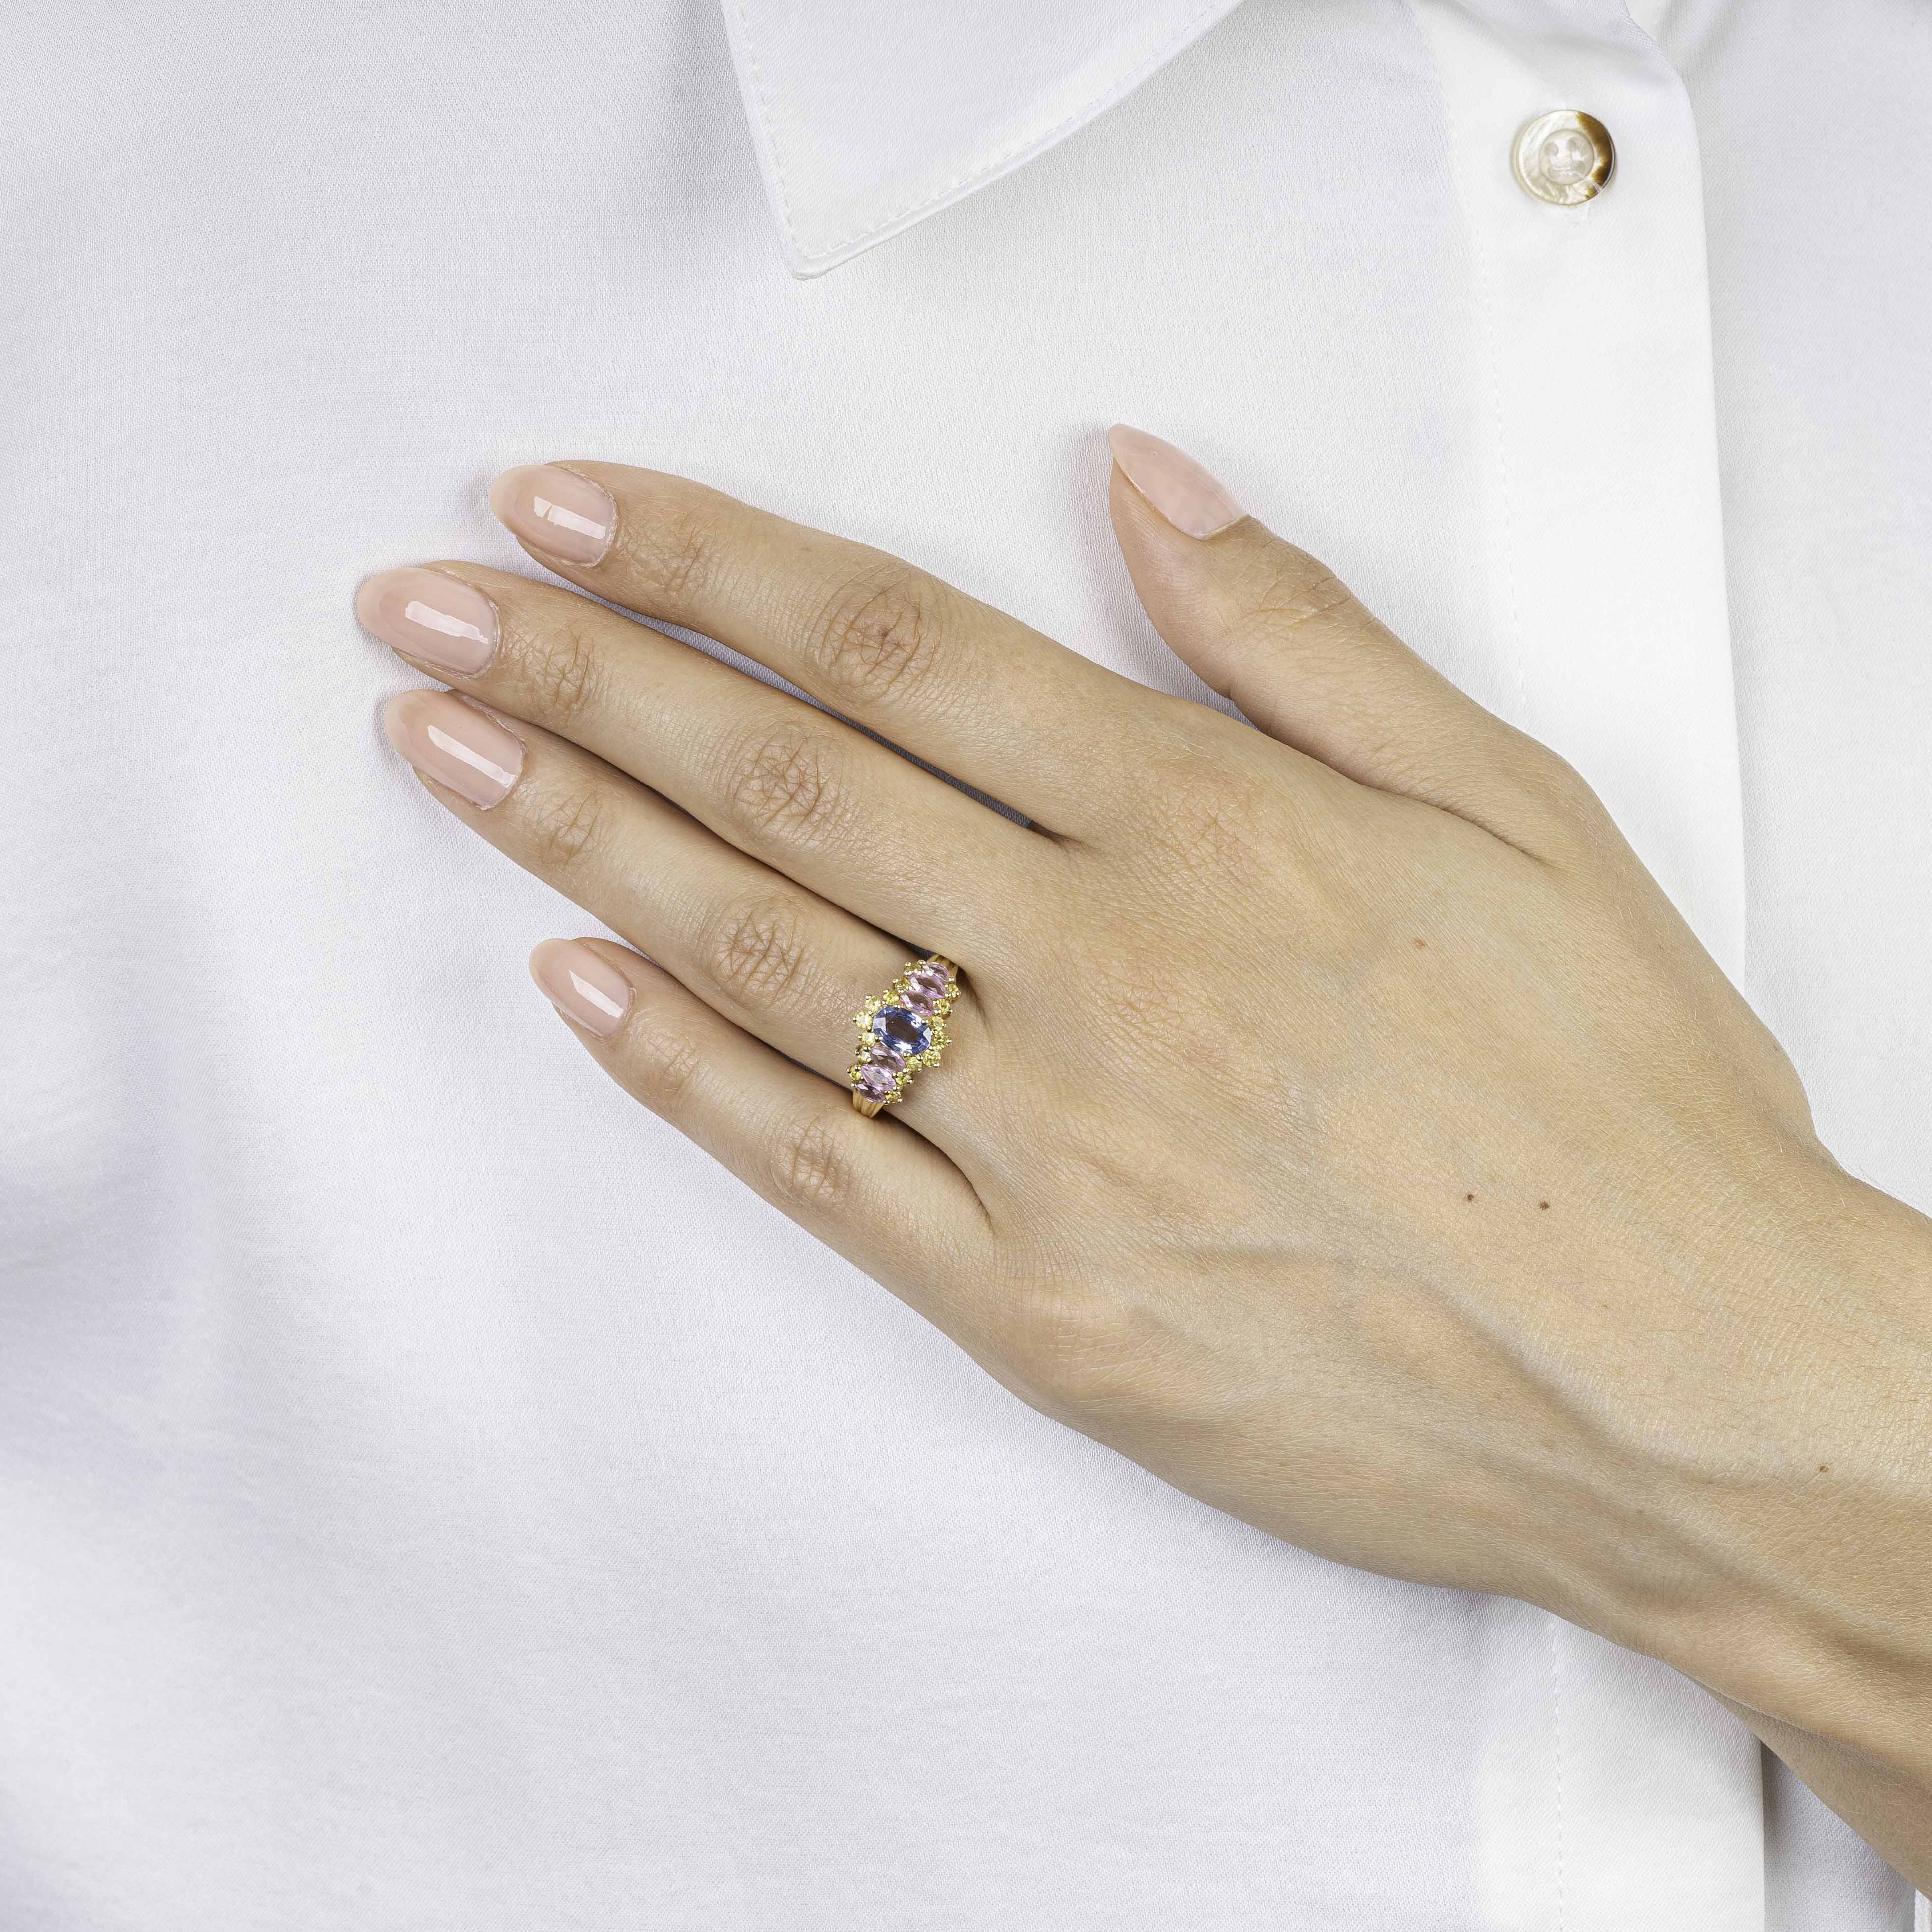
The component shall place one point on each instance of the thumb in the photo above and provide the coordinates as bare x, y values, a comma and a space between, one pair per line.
1270, 627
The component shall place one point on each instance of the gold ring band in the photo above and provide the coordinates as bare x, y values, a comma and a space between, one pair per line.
901, 1030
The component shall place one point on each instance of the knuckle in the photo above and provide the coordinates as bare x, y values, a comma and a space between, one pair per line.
876, 636
1294, 589
669, 546
566, 670
564, 828
756, 953
812, 1162
1573, 815
1207, 820
785, 789
1205, 836
660, 1068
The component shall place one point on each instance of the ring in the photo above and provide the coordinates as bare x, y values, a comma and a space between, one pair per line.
901, 1030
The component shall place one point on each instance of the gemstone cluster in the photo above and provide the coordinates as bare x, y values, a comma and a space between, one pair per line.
902, 1029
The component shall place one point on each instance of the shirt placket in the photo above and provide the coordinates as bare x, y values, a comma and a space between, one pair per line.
1612, 1793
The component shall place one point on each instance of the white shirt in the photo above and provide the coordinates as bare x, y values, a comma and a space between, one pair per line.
431, 1493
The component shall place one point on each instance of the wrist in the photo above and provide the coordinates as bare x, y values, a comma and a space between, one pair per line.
1810, 1499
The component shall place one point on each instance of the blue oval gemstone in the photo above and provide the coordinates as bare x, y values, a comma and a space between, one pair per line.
905, 1032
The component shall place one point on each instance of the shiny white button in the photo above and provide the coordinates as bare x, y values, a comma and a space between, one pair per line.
1564, 158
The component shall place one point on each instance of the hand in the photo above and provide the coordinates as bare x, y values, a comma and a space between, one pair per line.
1338, 1119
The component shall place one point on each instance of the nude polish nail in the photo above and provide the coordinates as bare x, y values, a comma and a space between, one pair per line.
557, 511
581, 986
454, 743
1173, 482
436, 619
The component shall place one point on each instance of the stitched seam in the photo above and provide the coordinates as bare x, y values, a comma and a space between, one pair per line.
1095, 104
765, 121
1485, 299
1744, 959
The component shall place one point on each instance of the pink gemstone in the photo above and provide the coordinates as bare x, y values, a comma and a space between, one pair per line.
875, 1083
880, 1055
929, 980
923, 999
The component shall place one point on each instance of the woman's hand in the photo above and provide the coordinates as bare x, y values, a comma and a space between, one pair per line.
1338, 1119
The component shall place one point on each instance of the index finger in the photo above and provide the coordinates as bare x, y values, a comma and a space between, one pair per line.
980, 695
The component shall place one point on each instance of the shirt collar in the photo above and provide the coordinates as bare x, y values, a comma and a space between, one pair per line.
869, 117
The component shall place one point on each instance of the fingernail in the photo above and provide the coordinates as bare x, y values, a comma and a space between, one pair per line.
563, 515
1173, 482
454, 743
432, 618
581, 986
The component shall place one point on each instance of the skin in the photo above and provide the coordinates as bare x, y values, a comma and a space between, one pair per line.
1338, 1120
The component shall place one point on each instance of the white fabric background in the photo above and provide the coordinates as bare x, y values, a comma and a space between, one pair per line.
430, 1494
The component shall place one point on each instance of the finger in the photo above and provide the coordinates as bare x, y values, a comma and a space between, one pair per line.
958, 683
1270, 627
769, 955
782, 780
885, 1198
